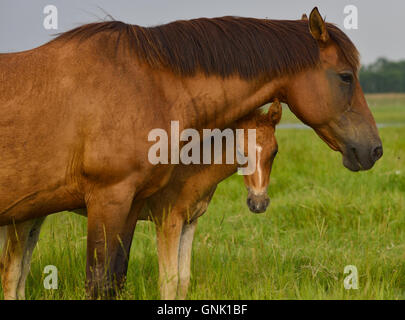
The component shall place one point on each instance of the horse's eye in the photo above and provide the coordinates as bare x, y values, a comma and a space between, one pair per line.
346, 77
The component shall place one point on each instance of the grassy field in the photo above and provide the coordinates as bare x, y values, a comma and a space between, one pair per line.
322, 217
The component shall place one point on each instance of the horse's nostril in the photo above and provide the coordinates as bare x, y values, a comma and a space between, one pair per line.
377, 153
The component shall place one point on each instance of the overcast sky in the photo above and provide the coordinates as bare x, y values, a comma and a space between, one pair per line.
380, 23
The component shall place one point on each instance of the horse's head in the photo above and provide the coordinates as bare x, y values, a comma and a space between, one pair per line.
330, 100
266, 150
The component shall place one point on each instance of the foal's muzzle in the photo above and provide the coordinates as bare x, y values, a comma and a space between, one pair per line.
258, 203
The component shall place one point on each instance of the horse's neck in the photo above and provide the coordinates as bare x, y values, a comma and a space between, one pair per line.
213, 102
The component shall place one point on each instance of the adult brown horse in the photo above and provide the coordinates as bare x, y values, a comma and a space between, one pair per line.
75, 113
175, 210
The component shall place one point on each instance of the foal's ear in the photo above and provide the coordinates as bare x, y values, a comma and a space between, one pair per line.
275, 112
304, 17
317, 26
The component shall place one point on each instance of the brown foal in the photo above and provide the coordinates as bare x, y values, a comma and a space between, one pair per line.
176, 208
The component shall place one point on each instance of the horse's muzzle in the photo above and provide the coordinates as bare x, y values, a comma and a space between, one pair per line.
356, 158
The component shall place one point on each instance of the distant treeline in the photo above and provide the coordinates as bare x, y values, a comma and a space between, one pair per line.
383, 76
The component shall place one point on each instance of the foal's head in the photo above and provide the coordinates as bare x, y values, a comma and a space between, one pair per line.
266, 150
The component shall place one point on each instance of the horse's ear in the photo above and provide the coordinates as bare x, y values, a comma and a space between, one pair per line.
275, 112
304, 17
317, 26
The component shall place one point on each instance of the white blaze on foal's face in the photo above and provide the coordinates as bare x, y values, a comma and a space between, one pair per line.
259, 170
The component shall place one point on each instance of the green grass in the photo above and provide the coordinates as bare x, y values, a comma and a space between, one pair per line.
322, 217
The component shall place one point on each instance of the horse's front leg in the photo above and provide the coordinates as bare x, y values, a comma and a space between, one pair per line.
168, 232
29, 249
19, 243
110, 228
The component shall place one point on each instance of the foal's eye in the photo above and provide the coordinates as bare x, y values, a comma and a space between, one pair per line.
346, 77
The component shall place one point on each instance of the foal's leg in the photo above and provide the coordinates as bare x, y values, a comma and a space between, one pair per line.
109, 233
186, 245
16, 255
3, 236
168, 233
